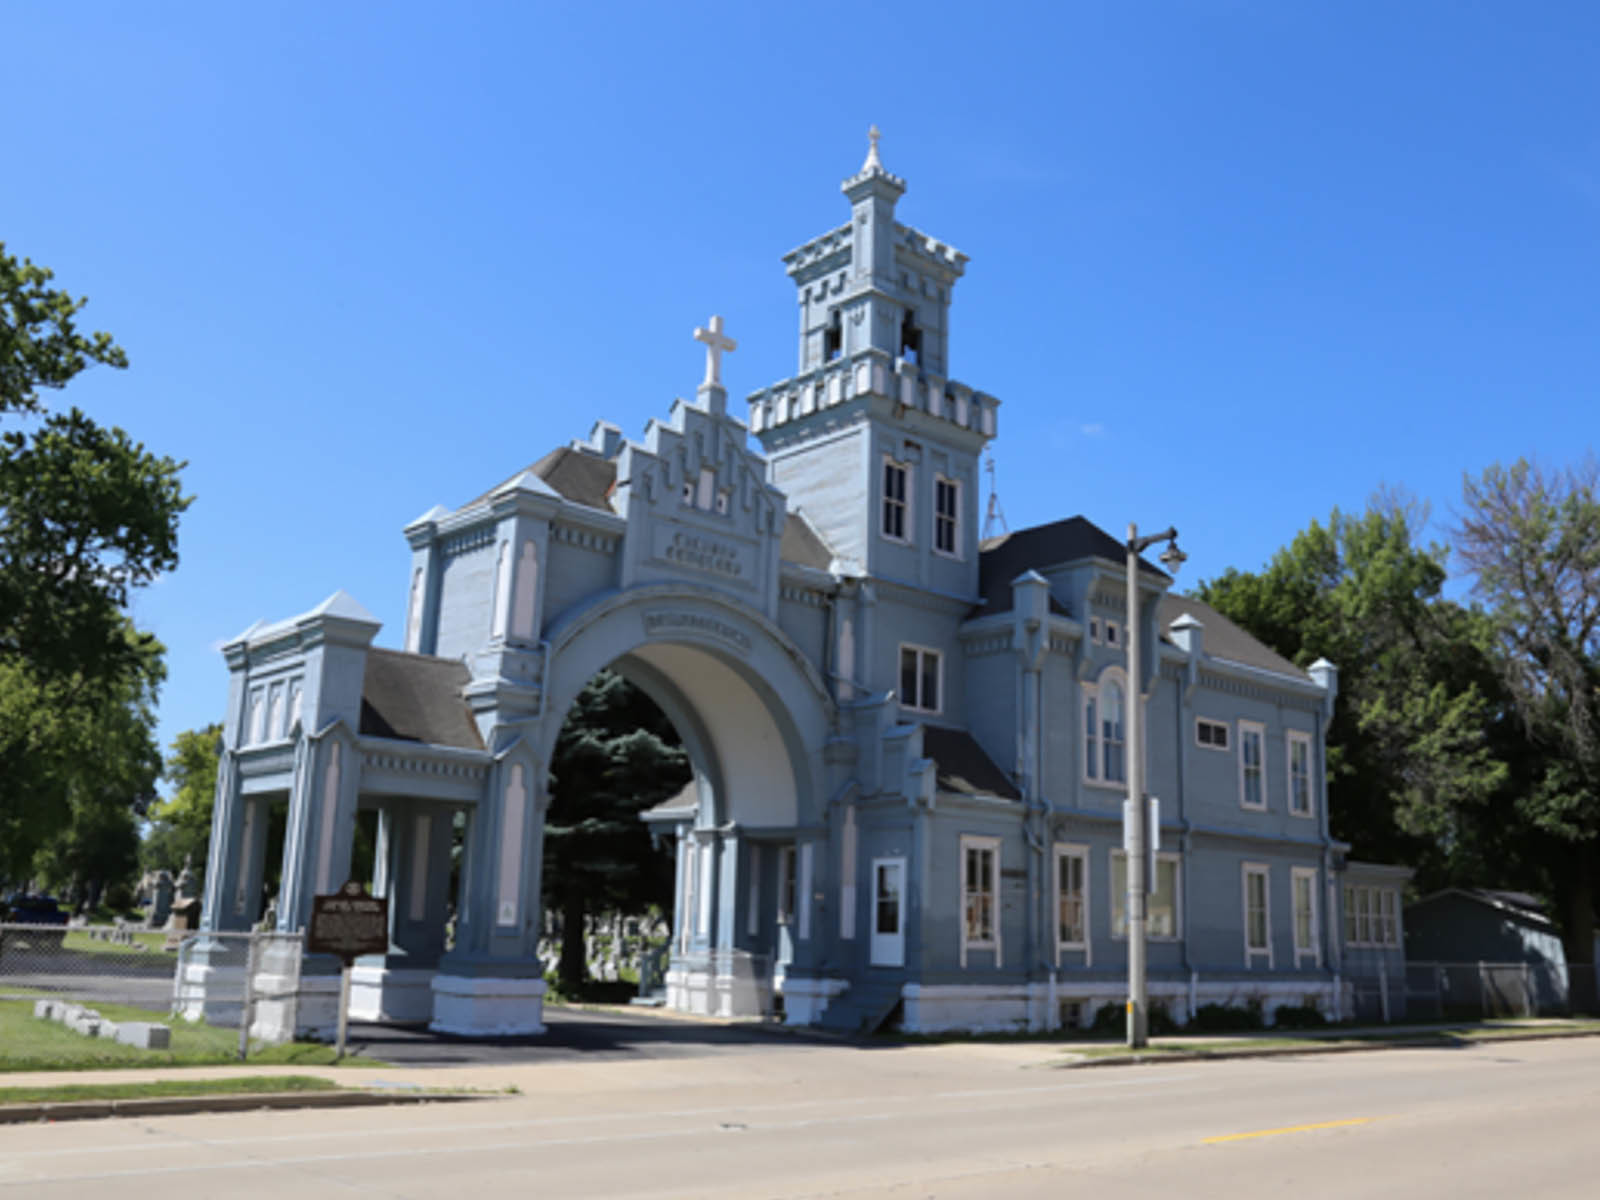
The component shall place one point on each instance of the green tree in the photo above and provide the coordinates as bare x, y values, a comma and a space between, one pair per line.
86, 515
180, 826
1532, 540
1418, 744
617, 755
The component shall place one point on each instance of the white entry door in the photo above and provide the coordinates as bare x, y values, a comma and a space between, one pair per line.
888, 912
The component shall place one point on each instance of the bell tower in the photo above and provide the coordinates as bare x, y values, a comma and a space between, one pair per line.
871, 438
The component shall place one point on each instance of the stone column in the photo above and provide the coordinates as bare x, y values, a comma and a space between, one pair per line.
223, 866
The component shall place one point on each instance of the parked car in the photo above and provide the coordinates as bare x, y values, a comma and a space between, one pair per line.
23, 909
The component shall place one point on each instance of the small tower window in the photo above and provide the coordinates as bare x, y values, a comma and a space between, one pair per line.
833, 338
910, 338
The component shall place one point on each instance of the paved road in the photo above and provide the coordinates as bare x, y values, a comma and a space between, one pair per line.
1504, 1120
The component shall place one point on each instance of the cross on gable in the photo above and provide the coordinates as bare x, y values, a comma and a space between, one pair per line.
716, 342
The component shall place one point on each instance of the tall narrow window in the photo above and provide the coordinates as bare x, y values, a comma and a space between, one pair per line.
920, 669
1257, 915
894, 499
946, 515
786, 883
1300, 773
1091, 739
910, 338
1111, 732
1072, 897
1252, 771
1303, 882
833, 338
980, 861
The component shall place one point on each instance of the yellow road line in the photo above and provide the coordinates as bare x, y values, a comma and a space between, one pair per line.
1261, 1133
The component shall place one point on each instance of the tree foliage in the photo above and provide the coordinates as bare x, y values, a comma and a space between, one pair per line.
1417, 744
180, 826
617, 755
86, 515
1531, 538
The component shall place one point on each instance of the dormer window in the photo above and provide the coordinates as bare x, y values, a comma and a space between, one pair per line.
833, 338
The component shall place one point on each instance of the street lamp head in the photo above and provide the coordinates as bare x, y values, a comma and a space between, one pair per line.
1172, 558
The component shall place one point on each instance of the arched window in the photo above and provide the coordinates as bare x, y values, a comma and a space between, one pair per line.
1105, 709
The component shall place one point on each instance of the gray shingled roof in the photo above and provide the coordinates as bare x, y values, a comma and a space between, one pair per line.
1222, 638
417, 698
1001, 559
963, 766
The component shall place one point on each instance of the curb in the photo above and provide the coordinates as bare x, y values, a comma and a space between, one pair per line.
1419, 1042
223, 1102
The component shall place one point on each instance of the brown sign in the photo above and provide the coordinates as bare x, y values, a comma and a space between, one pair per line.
348, 923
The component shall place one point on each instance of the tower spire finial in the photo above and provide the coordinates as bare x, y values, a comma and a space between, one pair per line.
873, 161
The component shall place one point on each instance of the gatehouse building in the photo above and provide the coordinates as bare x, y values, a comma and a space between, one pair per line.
909, 746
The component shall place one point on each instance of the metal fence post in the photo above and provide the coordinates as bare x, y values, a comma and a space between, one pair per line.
249, 992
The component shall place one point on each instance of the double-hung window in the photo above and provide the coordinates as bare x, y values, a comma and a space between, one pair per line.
1072, 897
1252, 765
1371, 916
1303, 890
1104, 731
947, 516
896, 507
920, 671
980, 890
1299, 773
1162, 918
1257, 914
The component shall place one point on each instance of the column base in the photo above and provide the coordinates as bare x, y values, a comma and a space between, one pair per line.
726, 984
379, 993
806, 999
487, 1005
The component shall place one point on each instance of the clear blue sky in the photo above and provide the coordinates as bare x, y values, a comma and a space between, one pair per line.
1233, 263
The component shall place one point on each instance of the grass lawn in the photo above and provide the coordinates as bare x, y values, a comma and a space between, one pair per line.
154, 943
166, 1087
30, 1044
1266, 1042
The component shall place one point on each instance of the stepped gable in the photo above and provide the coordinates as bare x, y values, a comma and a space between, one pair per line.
1224, 639
963, 766
417, 698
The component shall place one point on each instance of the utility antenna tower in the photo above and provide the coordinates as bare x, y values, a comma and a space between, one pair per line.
993, 516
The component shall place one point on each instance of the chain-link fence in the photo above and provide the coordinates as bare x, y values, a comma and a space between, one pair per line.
1452, 990
246, 981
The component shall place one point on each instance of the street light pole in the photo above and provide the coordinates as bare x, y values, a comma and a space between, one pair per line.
1138, 808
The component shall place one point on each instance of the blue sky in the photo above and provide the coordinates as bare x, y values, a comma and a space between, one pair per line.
1233, 264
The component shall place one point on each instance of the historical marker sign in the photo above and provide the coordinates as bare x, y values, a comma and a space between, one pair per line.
348, 924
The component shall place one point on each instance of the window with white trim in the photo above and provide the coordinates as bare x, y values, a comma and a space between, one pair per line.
1257, 913
896, 505
1113, 634
1303, 892
920, 678
1371, 916
1162, 918
1094, 630
1299, 746
1252, 765
1211, 734
1072, 897
947, 516
1104, 717
980, 893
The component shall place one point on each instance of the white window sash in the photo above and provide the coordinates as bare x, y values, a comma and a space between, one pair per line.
1248, 732
1250, 871
1312, 948
993, 942
1073, 852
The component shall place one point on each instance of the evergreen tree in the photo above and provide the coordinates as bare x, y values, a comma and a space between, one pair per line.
617, 755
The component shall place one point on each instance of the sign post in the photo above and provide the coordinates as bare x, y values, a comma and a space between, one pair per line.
347, 925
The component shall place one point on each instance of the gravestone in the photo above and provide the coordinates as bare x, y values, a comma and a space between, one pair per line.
160, 900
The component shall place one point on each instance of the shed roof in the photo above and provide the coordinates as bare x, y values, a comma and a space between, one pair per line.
963, 766
417, 698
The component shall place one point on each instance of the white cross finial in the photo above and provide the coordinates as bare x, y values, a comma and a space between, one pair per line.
872, 150
716, 342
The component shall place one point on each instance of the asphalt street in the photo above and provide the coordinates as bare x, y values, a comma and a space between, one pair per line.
965, 1120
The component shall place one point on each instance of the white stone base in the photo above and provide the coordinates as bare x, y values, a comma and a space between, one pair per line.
486, 1006
295, 1006
1040, 1007
210, 994
728, 988
391, 994
805, 1000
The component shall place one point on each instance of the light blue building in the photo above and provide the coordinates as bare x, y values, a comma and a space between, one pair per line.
908, 747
